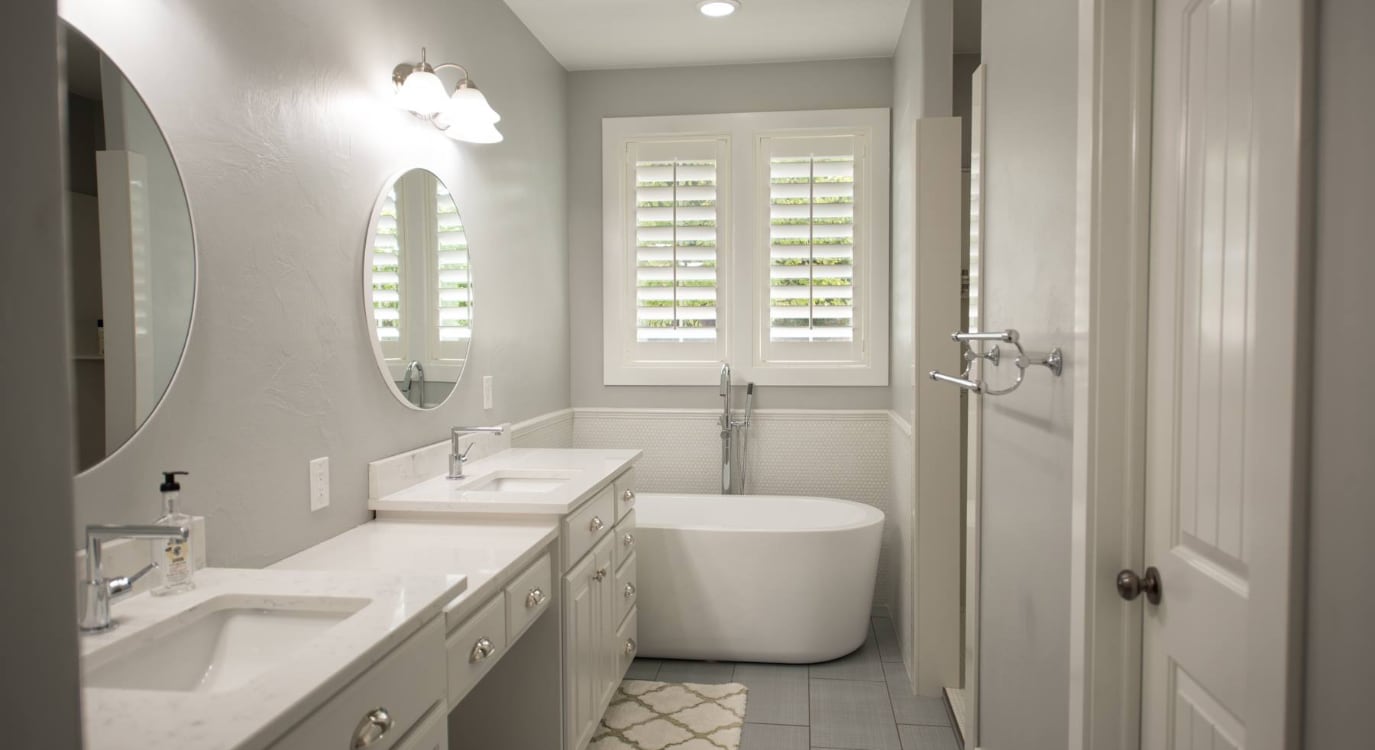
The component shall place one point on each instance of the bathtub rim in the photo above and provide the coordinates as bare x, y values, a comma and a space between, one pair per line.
873, 516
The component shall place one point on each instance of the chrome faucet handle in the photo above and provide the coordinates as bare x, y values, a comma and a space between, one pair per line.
97, 590
458, 458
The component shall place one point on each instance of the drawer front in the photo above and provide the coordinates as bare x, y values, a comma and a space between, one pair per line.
432, 733
624, 543
474, 647
527, 597
587, 525
626, 643
625, 592
625, 492
384, 703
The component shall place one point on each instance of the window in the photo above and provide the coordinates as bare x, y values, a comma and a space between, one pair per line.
785, 275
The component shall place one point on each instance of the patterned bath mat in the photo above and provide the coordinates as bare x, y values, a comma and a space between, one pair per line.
648, 715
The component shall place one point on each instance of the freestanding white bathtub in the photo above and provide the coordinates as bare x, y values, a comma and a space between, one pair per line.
754, 577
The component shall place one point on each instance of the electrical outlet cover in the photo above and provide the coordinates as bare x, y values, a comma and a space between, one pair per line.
486, 391
319, 483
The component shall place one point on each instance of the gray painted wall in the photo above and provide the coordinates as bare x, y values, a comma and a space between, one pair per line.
593, 95
1029, 242
280, 116
36, 452
1341, 602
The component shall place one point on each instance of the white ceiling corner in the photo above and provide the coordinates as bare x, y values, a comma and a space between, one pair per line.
596, 34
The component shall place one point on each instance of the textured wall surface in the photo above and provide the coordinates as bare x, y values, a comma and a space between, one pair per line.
281, 120
1028, 284
593, 95
814, 453
1341, 602
40, 677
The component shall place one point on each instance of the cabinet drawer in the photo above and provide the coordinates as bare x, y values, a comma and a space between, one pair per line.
624, 544
624, 593
626, 644
474, 647
392, 696
625, 492
432, 733
584, 527
527, 597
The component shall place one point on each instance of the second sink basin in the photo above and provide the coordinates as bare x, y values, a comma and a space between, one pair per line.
508, 480
220, 645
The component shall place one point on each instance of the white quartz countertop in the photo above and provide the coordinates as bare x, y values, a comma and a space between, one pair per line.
489, 554
582, 473
259, 711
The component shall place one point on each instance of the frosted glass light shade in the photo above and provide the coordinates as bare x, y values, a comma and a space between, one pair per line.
718, 8
475, 132
423, 93
469, 105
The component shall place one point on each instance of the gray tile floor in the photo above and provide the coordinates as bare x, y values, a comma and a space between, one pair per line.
859, 702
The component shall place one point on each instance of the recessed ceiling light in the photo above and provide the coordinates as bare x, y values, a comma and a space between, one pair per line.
718, 8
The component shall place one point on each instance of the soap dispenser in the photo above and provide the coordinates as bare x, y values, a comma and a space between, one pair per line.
173, 557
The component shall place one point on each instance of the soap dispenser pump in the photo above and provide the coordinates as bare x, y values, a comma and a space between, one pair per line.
173, 557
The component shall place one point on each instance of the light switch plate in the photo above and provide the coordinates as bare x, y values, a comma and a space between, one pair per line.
319, 483
486, 391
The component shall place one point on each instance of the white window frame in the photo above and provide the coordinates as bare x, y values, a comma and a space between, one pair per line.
742, 282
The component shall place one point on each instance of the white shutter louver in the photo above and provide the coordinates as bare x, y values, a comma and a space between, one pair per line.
811, 239
386, 277
676, 230
453, 279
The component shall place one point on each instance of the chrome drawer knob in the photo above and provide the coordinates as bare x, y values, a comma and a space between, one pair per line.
481, 650
629, 646
375, 724
629, 590
628, 540
600, 575
535, 598
628, 497
597, 524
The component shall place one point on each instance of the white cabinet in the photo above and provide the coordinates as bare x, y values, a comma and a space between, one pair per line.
382, 704
598, 615
584, 628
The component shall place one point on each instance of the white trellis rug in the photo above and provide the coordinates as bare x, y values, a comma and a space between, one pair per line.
648, 715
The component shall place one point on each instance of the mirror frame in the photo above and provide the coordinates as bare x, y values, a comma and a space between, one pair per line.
365, 290
196, 262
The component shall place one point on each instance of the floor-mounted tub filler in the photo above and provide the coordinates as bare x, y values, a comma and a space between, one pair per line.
755, 577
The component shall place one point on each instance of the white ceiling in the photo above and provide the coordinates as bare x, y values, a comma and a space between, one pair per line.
593, 34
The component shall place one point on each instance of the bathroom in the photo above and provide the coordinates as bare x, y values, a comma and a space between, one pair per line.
283, 124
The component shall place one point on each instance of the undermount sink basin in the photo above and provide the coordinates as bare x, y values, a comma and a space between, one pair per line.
508, 480
220, 645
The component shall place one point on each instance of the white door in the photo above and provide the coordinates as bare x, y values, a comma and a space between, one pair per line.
1220, 667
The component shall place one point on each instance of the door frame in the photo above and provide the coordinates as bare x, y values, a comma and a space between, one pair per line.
1113, 165
1112, 216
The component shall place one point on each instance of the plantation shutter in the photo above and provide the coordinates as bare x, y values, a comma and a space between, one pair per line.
676, 223
815, 251
451, 300
387, 286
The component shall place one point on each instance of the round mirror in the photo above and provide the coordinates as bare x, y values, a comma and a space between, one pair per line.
133, 254
418, 289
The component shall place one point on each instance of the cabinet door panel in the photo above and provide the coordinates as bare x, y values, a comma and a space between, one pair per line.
582, 647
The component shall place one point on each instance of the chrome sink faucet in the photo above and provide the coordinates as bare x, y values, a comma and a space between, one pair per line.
456, 458
97, 590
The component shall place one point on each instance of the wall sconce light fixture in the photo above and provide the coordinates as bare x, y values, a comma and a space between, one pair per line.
463, 115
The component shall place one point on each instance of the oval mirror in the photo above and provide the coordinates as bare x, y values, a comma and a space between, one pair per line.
133, 253
417, 289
